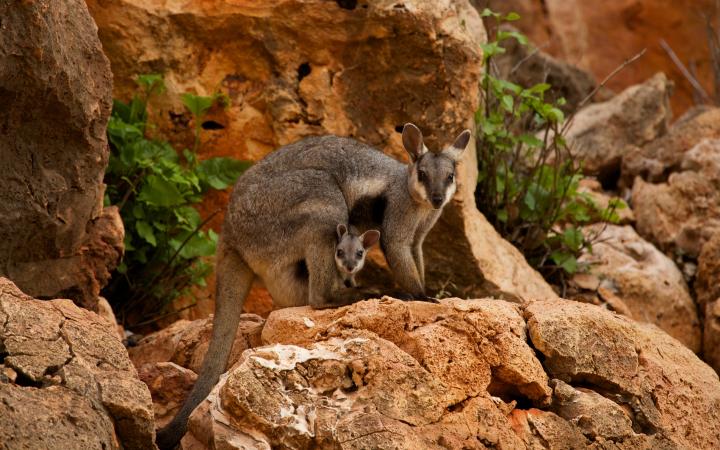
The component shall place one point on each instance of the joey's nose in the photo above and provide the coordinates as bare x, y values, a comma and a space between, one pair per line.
437, 200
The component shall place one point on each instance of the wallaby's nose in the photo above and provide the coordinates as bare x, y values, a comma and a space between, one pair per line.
437, 200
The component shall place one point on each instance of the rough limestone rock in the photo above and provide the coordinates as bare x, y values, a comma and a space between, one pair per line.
55, 87
169, 385
297, 68
670, 394
655, 161
599, 36
635, 279
66, 380
461, 374
679, 216
601, 133
707, 290
185, 343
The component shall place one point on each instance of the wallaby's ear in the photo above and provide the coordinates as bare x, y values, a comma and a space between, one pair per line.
413, 141
341, 231
370, 238
461, 142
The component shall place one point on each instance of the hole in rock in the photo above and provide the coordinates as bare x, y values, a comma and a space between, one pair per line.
508, 393
304, 70
212, 125
347, 4
398, 128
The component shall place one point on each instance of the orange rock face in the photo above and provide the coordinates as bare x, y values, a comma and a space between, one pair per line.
599, 36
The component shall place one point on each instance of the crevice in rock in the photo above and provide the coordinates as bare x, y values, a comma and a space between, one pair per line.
212, 125
303, 70
347, 4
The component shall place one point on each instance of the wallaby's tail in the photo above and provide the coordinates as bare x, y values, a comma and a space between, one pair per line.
234, 279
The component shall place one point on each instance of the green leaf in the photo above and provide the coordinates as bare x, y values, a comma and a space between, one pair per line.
503, 35
530, 140
145, 231
158, 191
507, 102
198, 105
198, 245
489, 13
151, 83
511, 17
220, 173
565, 260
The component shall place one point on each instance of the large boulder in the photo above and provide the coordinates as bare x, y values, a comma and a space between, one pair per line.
602, 133
634, 278
707, 290
680, 215
66, 380
292, 69
461, 374
657, 160
56, 240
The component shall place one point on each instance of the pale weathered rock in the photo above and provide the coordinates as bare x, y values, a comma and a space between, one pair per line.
461, 374
679, 216
185, 343
55, 86
602, 133
655, 161
672, 395
707, 290
169, 385
292, 69
646, 282
105, 311
73, 384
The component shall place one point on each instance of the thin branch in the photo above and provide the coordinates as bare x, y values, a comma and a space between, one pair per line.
686, 73
530, 55
602, 84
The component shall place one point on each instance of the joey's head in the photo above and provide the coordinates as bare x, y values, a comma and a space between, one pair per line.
351, 249
431, 178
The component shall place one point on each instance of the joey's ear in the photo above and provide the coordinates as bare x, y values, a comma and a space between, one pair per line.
341, 231
370, 238
413, 141
461, 142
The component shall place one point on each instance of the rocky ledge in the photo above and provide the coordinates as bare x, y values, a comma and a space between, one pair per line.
460, 374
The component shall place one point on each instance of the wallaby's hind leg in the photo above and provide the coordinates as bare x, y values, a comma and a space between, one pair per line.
287, 286
234, 279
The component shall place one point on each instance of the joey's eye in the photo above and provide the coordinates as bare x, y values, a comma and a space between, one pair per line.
451, 177
340, 253
359, 254
422, 175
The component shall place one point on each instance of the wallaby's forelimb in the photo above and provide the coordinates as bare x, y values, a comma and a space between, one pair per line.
234, 279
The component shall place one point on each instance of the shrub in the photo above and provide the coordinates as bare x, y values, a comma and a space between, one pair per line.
528, 179
156, 190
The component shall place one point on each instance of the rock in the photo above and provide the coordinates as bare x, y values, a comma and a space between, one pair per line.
105, 311
592, 188
72, 384
657, 160
528, 66
169, 385
460, 374
598, 37
293, 69
672, 395
646, 283
679, 216
601, 133
707, 290
185, 343
56, 240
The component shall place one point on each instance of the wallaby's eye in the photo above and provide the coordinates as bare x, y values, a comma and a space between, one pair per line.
451, 177
340, 253
359, 253
422, 175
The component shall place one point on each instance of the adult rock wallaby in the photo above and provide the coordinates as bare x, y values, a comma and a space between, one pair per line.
280, 226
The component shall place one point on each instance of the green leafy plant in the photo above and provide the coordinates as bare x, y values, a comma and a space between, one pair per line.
156, 190
528, 180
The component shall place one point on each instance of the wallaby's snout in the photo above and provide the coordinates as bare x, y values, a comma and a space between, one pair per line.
437, 200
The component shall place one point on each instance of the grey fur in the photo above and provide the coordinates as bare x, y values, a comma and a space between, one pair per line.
351, 251
283, 215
